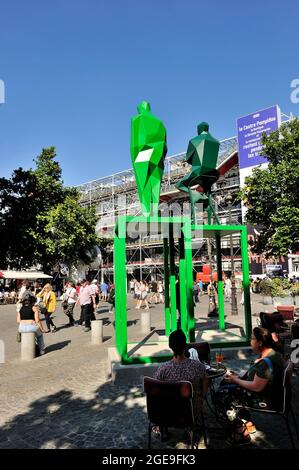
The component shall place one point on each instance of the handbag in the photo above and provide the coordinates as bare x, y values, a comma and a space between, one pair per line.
19, 337
64, 304
43, 311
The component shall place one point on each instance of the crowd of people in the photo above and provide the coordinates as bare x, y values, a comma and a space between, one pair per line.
262, 383
146, 293
34, 300
8, 295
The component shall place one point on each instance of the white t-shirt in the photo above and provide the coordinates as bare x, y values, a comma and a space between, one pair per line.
137, 288
22, 290
71, 295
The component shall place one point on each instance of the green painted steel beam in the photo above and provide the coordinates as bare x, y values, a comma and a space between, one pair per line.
173, 278
183, 285
166, 287
189, 279
246, 282
120, 282
221, 310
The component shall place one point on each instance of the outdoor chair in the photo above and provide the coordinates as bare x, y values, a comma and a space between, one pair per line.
287, 312
295, 331
274, 322
169, 404
202, 349
286, 404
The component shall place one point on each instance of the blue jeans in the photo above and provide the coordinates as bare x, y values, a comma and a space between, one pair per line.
33, 328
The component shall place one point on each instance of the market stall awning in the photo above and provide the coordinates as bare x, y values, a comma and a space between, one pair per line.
23, 275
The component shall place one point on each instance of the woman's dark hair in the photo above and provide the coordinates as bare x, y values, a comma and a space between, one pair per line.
28, 300
177, 342
264, 336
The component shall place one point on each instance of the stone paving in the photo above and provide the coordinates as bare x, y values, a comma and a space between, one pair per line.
64, 399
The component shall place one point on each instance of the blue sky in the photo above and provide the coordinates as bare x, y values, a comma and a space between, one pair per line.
75, 70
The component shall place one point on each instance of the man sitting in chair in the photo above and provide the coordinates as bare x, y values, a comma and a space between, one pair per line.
182, 368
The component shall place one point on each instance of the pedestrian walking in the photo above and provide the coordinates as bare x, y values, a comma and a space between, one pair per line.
143, 287
49, 305
104, 291
195, 292
161, 292
69, 299
227, 289
87, 302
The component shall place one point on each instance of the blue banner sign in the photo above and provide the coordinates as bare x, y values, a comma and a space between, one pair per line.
250, 130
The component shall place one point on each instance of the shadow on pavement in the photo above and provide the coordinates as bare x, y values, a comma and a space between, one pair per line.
106, 321
106, 338
115, 418
57, 346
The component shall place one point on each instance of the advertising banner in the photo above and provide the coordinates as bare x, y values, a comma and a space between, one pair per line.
250, 130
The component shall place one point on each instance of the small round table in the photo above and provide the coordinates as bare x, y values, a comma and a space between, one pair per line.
215, 371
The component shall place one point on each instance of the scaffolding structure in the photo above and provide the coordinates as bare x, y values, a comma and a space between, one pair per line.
106, 193
116, 195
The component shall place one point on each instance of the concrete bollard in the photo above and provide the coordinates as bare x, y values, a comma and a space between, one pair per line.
27, 346
97, 332
145, 322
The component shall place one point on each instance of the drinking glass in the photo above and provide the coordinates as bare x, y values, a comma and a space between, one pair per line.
219, 357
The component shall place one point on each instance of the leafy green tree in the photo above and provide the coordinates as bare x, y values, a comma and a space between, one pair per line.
17, 213
271, 195
42, 221
68, 233
49, 189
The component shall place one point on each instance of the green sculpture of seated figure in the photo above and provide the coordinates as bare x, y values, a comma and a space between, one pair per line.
202, 154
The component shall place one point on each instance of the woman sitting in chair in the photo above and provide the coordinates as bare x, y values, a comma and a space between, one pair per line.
260, 387
182, 368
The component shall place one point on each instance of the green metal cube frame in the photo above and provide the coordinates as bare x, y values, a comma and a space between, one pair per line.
217, 232
170, 277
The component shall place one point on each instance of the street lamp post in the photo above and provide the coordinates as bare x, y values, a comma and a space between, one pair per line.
234, 305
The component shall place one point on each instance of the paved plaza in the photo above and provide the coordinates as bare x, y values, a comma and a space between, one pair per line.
64, 399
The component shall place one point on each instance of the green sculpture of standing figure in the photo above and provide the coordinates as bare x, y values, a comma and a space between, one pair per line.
148, 149
202, 154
